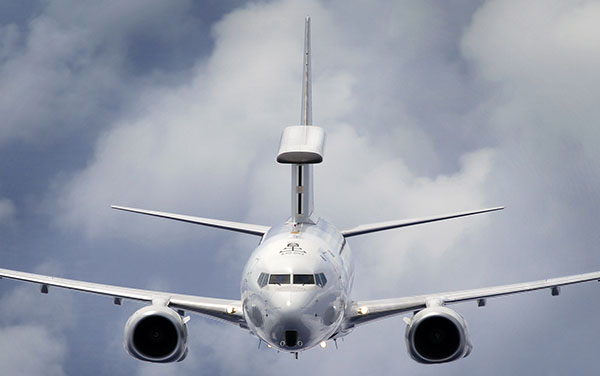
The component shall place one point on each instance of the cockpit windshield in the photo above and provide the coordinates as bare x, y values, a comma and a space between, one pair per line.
321, 280
263, 278
285, 279
279, 279
304, 279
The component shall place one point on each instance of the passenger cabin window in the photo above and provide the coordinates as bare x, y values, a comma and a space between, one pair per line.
263, 278
304, 279
321, 280
279, 279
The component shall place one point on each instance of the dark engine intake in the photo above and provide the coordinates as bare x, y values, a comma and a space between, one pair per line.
437, 335
156, 334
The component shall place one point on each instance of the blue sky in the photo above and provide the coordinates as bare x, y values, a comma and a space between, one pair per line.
429, 107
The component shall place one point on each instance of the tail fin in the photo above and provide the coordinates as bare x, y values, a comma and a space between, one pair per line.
306, 117
302, 174
302, 145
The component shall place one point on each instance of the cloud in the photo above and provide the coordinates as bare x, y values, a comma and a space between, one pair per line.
207, 148
202, 139
428, 110
72, 66
199, 139
32, 329
543, 57
31, 350
543, 110
7, 211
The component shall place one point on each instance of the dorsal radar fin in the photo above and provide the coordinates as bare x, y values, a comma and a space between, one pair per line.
306, 117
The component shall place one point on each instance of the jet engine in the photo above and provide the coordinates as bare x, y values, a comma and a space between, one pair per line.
156, 333
437, 335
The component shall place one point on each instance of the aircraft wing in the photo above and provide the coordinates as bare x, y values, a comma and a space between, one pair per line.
381, 226
220, 309
246, 228
362, 312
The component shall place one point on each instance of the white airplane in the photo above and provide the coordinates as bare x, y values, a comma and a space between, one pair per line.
295, 288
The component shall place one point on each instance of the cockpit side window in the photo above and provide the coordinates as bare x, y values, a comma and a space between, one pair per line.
263, 278
321, 280
279, 279
304, 279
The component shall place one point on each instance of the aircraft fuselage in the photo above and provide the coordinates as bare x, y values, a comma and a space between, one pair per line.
296, 284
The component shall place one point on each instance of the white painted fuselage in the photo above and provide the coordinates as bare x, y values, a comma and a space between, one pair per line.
292, 316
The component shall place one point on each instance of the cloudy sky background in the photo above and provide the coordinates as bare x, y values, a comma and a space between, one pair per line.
430, 107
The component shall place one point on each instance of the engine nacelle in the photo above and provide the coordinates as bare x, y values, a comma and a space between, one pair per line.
156, 334
437, 335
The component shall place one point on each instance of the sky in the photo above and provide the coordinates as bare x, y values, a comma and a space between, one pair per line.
429, 107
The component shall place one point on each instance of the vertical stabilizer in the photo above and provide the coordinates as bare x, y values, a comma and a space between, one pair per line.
302, 145
302, 174
306, 117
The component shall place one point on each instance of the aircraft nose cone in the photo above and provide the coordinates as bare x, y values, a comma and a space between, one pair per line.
291, 302
291, 335
290, 331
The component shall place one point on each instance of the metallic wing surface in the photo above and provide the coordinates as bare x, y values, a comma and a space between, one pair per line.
221, 309
362, 312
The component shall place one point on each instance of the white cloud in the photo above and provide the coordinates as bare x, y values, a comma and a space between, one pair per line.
194, 146
32, 327
540, 57
543, 55
411, 132
28, 350
70, 67
208, 148
43, 79
7, 211
376, 188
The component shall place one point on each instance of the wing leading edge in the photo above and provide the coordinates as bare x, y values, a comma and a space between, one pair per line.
362, 312
220, 309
